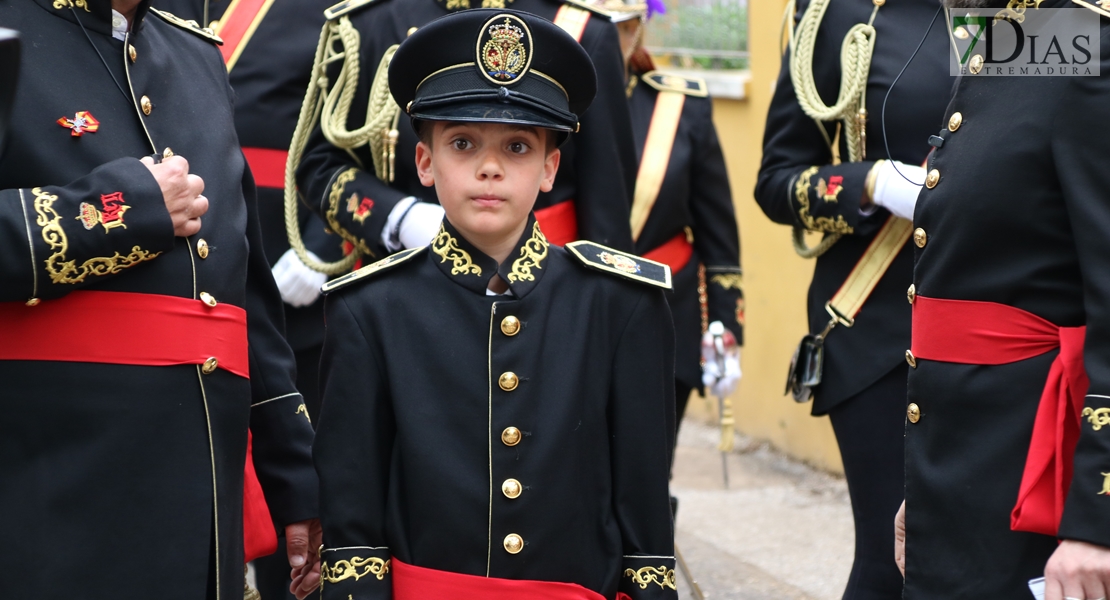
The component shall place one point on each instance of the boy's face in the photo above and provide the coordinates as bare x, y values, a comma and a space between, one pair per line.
487, 175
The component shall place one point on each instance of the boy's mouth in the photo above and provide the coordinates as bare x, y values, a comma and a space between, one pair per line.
488, 200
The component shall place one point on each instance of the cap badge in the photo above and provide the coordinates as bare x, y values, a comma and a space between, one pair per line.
504, 49
81, 123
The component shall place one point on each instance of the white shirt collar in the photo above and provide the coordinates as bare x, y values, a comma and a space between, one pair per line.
119, 26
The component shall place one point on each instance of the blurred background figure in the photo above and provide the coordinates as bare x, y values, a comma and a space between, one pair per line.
826, 168
9, 74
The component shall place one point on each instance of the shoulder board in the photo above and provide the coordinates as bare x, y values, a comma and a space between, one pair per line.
666, 82
1102, 11
347, 6
590, 7
629, 266
189, 25
372, 269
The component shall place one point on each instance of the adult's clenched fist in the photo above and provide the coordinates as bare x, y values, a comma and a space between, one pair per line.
181, 192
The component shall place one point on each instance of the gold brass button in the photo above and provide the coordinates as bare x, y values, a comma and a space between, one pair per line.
976, 64
132, 53
514, 543
910, 360
208, 299
955, 121
33, 302
911, 294
508, 381
511, 436
932, 179
209, 366
202, 248
960, 33
510, 325
511, 488
913, 413
920, 238
411, 31
146, 105
168, 152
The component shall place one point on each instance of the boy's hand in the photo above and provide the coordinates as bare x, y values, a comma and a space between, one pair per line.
900, 539
301, 543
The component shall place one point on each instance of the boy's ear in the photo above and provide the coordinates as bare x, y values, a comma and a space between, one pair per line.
550, 168
424, 164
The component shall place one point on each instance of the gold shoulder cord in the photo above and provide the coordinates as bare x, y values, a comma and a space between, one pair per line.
850, 108
331, 108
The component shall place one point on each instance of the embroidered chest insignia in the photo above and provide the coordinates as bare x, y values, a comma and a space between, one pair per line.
829, 191
620, 262
83, 122
109, 215
359, 209
504, 49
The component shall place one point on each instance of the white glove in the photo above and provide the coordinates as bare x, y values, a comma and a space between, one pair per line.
724, 383
299, 285
421, 224
893, 192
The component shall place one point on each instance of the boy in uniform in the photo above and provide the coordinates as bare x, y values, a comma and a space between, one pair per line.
498, 412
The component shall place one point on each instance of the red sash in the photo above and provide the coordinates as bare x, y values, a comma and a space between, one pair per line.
986, 333
675, 252
559, 222
267, 166
418, 583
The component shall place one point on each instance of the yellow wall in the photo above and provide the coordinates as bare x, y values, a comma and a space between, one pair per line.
775, 278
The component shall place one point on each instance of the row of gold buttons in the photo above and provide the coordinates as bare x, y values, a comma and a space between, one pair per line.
511, 488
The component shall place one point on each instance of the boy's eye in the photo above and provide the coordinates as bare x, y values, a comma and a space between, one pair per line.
461, 144
518, 147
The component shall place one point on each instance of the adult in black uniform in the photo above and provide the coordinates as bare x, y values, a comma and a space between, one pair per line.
808, 183
1011, 249
129, 385
591, 197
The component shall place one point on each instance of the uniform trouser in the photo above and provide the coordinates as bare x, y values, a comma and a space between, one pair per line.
869, 430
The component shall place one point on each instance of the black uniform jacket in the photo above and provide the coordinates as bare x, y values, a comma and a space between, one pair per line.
1020, 216
597, 169
453, 420
104, 460
694, 198
857, 357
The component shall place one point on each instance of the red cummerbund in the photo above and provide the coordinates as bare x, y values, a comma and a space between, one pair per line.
675, 252
418, 583
268, 166
987, 333
126, 328
559, 222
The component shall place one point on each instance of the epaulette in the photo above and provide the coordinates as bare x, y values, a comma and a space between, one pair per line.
666, 82
378, 267
347, 6
630, 266
189, 25
1102, 11
590, 7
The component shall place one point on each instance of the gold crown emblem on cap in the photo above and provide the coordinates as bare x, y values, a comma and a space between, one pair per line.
503, 53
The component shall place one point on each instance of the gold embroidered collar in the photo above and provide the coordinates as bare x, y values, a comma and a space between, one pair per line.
469, 267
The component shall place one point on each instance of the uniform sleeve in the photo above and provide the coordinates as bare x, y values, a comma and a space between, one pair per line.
642, 426
797, 183
282, 444
1081, 142
716, 235
354, 441
604, 147
57, 239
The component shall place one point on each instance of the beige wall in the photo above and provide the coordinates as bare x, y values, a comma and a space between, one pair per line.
775, 278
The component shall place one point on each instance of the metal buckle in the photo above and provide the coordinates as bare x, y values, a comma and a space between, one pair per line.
838, 318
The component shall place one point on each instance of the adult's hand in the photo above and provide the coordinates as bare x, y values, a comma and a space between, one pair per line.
181, 191
302, 540
900, 539
1077, 570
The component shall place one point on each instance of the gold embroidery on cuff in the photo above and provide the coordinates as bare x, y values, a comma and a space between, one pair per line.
61, 270
332, 213
60, 4
346, 569
448, 248
1097, 417
531, 256
660, 576
801, 194
729, 281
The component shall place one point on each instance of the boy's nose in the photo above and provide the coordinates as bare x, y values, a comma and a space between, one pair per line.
490, 166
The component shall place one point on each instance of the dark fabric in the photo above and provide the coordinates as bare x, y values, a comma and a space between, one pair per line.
1033, 238
412, 466
101, 460
271, 574
870, 437
857, 357
590, 159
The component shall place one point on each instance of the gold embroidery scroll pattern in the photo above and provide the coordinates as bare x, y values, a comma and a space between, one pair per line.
1105, 485
465, 4
801, 194
61, 270
729, 281
660, 576
356, 568
302, 409
448, 248
1097, 417
531, 256
60, 4
332, 213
